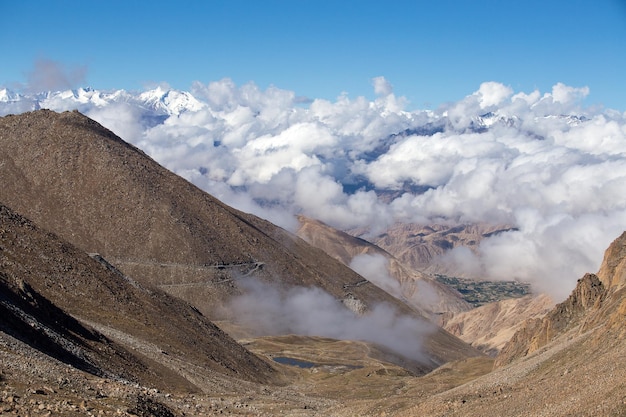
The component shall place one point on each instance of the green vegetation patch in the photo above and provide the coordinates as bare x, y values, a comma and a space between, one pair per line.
478, 293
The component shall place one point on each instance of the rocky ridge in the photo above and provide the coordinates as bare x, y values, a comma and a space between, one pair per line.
568, 363
415, 288
596, 301
421, 247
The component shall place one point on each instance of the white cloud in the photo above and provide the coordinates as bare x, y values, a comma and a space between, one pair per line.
269, 310
382, 87
375, 268
545, 165
121, 118
492, 93
562, 93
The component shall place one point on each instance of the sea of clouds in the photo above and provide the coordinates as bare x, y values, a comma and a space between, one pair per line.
537, 161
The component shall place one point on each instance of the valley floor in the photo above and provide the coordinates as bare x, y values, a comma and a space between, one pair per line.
345, 380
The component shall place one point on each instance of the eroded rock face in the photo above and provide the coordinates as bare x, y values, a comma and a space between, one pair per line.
597, 300
491, 326
612, 272
354, 304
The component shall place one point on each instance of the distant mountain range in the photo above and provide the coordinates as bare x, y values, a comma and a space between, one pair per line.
155, 102
161, 101
153, 107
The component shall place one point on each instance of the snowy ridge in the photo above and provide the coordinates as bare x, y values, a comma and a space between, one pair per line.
7, 96
158, 101
171, 102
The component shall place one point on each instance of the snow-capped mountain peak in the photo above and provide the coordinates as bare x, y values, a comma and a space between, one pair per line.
170, 101
158, 101
7, 95
490, 119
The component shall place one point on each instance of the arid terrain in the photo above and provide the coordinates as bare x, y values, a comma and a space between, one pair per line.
415, 288
421, 246
125, 290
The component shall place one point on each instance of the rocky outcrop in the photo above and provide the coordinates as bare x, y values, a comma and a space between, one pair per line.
491, 326
612, 272
595, 299
415, 288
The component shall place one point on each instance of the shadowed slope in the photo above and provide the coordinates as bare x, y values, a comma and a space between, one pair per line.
36, 266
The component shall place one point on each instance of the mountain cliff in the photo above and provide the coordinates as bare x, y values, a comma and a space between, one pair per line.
568, 363
597, 300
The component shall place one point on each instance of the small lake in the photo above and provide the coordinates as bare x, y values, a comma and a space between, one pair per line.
294, 362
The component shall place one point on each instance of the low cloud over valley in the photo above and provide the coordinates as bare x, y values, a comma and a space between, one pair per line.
553, 170
269, 310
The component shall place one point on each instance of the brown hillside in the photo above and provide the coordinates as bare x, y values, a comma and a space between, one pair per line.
421, 246
569, 314
415, 288
570, 363
595, 301
36, 266
77, 179
491, 326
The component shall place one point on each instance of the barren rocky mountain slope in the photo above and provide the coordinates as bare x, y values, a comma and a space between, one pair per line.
421, 246
596, 303
74, 177
491, 326
580, 371
487, 327
415, 287
62, 294
571, 362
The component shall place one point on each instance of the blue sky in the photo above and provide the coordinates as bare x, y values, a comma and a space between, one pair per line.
431, 52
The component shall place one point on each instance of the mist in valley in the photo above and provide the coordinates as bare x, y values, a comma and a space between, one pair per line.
266, 309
